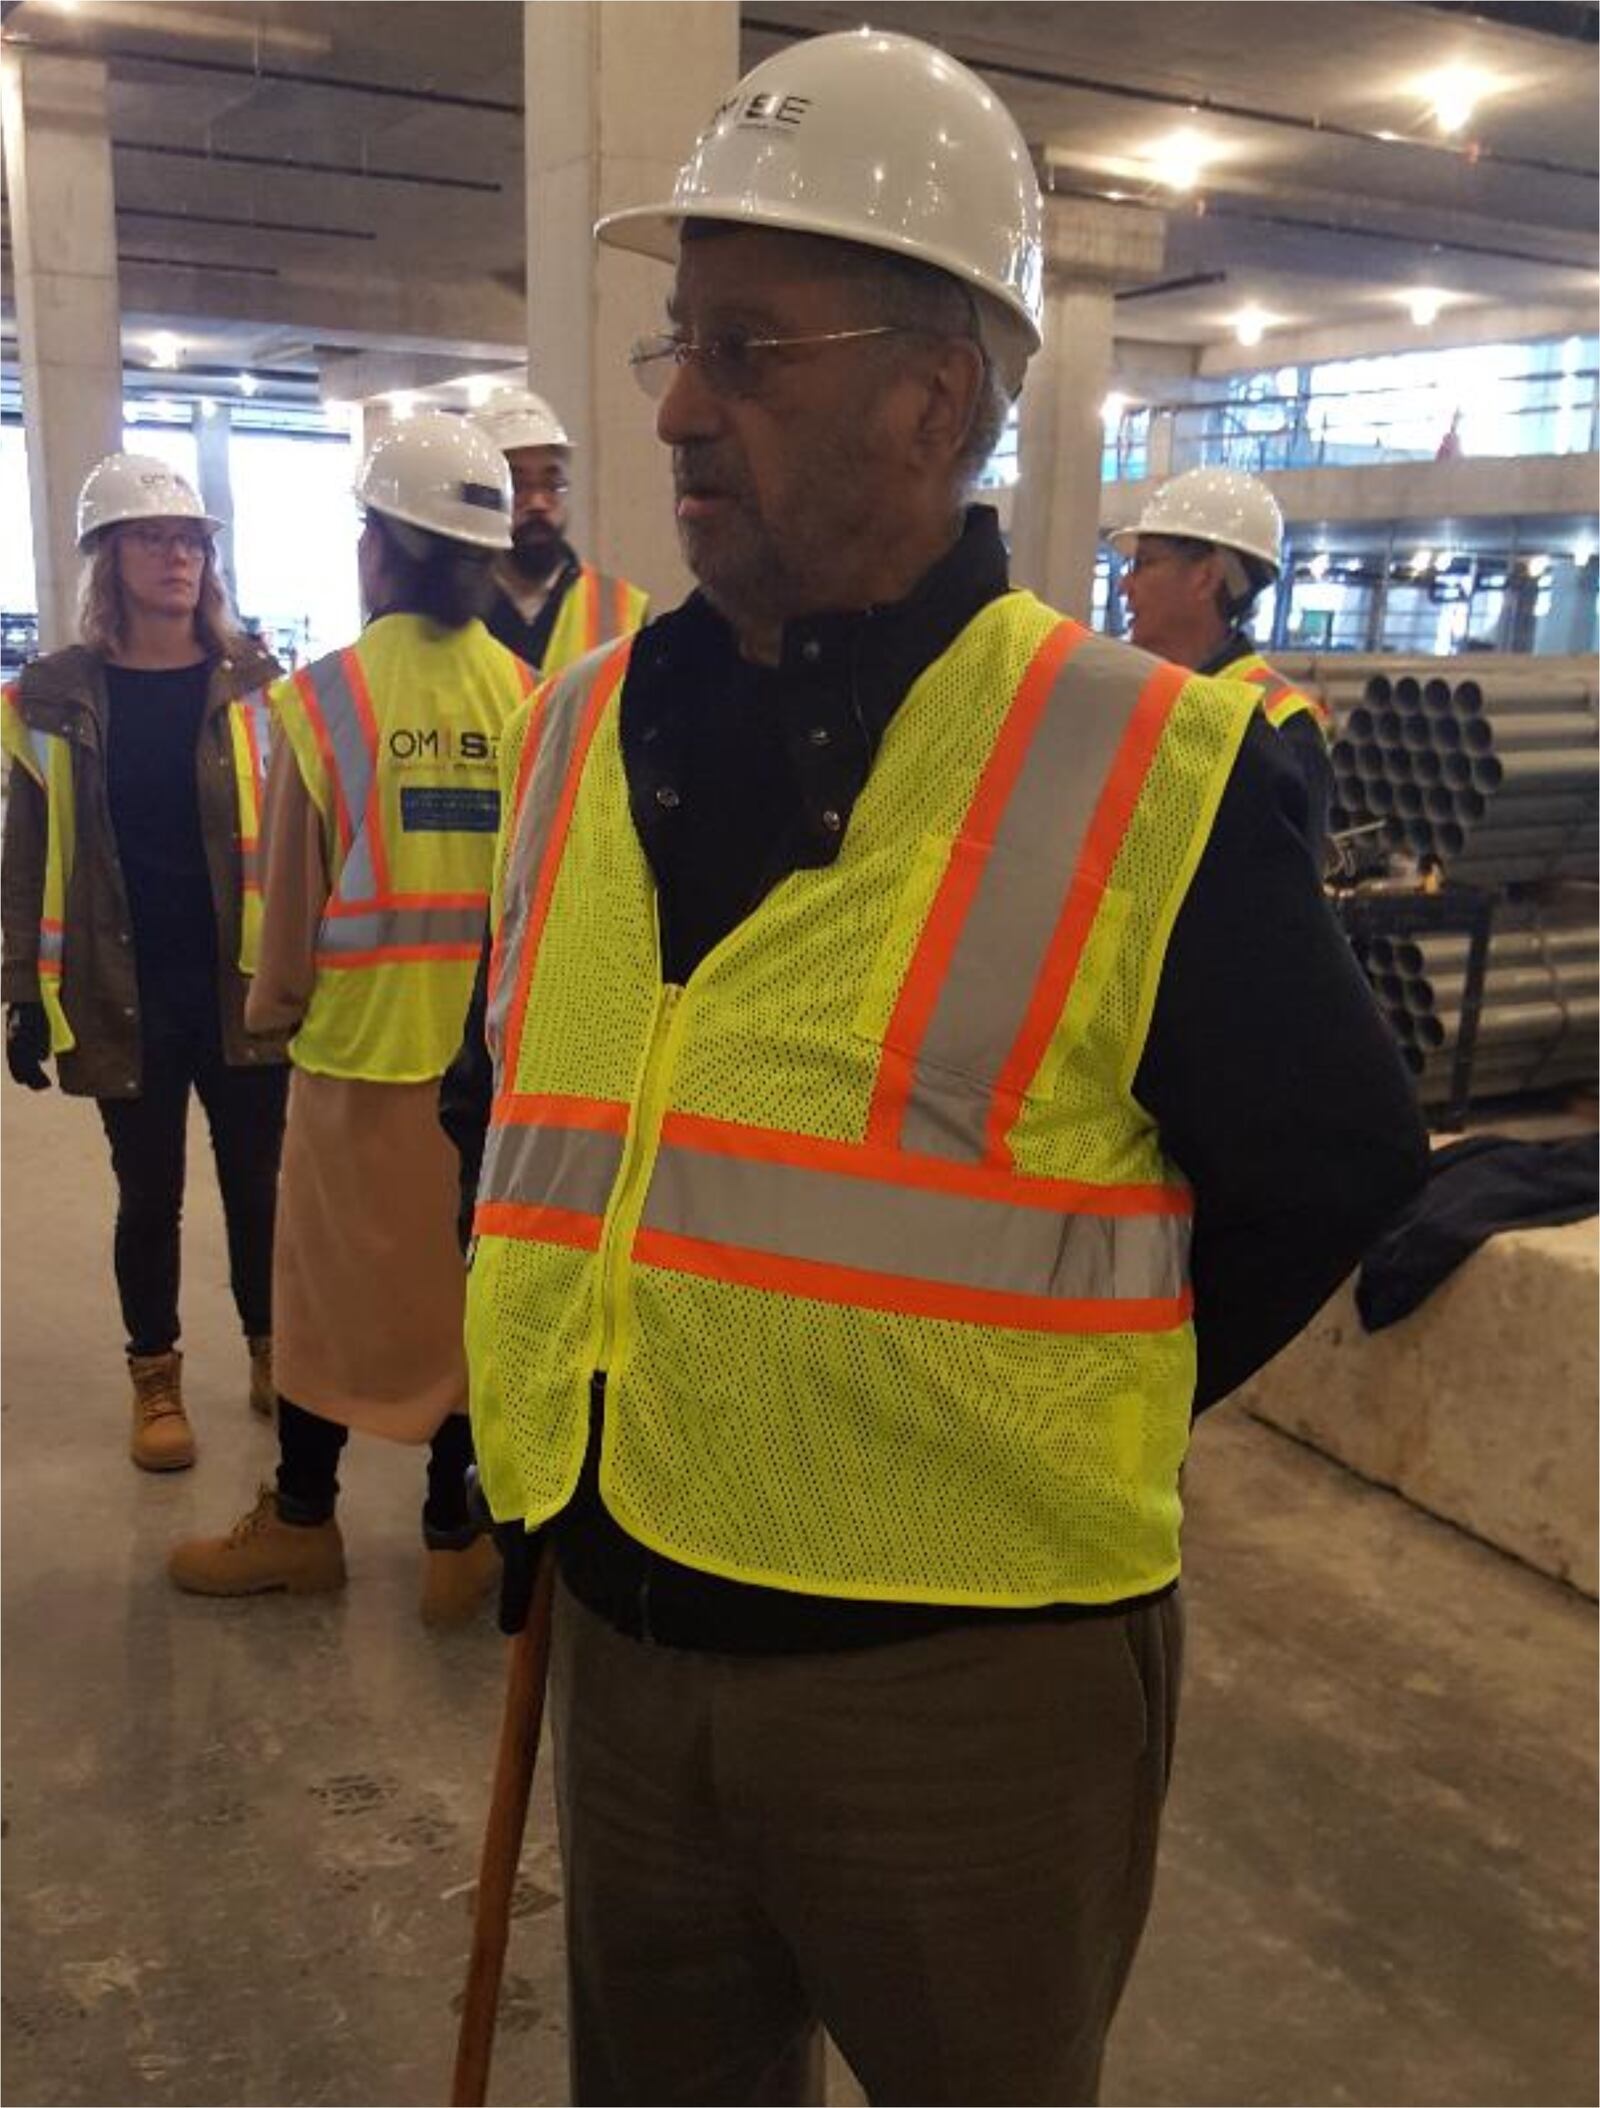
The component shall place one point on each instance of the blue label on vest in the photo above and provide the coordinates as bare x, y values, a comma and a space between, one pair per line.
440, 811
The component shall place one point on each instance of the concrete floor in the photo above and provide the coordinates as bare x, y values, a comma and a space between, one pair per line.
240, 1837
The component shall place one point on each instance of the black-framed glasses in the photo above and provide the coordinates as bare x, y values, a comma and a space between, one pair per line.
731, 360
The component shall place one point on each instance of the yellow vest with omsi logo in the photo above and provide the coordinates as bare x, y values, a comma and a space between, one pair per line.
1280, 699
595, 608
47, 758
882, 1260
397, 740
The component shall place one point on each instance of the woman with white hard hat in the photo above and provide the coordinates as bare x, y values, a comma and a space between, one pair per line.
380, 831
131, 909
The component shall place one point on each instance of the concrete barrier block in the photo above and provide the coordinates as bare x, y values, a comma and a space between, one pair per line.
1480, 1407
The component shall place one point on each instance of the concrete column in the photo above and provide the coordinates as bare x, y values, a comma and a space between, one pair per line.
212, 436
1090, 249
616, 97
64, 237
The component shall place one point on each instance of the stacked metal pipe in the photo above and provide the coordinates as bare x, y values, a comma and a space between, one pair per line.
1540, 1009
1489, 771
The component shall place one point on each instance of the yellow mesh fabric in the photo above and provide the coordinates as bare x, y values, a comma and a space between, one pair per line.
814, 1445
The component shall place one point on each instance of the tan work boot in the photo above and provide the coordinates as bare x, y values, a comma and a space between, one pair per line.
457, 1578
259, 1554
162, 1437
263, 1394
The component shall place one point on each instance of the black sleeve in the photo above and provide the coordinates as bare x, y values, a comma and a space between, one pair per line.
1308, 750
1273, 1078
466, 1093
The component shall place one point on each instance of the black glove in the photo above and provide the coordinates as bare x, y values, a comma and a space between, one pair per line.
518, 1547
27, 1044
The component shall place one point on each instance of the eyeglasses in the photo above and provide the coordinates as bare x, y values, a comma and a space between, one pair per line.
554, 486
158, 541
731, 361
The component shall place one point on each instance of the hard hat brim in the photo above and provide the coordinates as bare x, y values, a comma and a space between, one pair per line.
653, 230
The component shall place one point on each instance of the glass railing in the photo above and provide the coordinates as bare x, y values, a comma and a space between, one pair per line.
1521, 416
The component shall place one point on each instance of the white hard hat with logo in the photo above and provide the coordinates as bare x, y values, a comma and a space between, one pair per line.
135, 487
440, 473
877, 138
1218, 505
517, 418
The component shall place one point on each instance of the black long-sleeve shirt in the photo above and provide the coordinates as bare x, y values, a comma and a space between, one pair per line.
1269, 1072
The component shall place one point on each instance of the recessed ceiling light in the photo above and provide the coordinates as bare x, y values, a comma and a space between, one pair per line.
480, 386
1178, 161
1318, 566
1424, 303
402, 402
1453, 94
165, 350
1251, 324
248, 384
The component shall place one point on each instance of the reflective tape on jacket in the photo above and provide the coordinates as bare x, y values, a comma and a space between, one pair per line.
595, 608
353, 935
1280, 699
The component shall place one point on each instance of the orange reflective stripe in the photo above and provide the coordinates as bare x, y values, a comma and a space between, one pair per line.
394, 955
1103, 841
553, 1109
821, 1282
307, 690
537, 1225
888, 1165
527, 679
930, 963
361, 695
600, 694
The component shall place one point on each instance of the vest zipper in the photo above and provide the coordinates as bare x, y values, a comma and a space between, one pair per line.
638, 1156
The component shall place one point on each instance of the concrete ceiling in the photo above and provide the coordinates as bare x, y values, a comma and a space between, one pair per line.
298, 179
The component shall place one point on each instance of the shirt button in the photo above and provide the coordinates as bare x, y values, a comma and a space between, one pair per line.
668, 797
819, 735
832, 821
127, 1010
123, 937
811, 651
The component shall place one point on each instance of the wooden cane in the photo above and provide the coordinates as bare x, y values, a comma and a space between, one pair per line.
526, 1674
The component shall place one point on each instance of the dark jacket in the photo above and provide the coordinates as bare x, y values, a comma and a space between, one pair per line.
65, 693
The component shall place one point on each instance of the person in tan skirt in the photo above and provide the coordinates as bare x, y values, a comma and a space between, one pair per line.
379, 833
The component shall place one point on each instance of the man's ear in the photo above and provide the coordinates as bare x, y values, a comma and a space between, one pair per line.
953, 381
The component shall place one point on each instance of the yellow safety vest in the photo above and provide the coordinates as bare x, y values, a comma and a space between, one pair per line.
47, 758
1280, 699
884, 1264
595, 608
397, 740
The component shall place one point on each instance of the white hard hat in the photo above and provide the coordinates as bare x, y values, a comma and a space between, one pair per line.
440, 473
1218, 505
135, 487
516, 418
876, 138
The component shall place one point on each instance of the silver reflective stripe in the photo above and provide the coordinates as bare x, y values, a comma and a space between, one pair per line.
259, 711
793, 1212
984, 997
557, 734
249, 864
52, 944
550, 1167
386, 929
40, 743
355, 762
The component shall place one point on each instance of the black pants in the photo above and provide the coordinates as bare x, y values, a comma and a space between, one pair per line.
182, 1049
309, 1449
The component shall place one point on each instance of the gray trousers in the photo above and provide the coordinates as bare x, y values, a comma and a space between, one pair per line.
942, 1851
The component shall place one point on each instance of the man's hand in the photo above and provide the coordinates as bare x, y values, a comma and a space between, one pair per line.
27, 1044
518, 1547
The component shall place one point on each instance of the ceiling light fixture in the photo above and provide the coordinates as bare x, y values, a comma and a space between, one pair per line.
248, 384
1318, 566
165, 350
1251, 324
1453, 94
1424, 303
402, 402
1180, 160
479, 387
1423, 560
